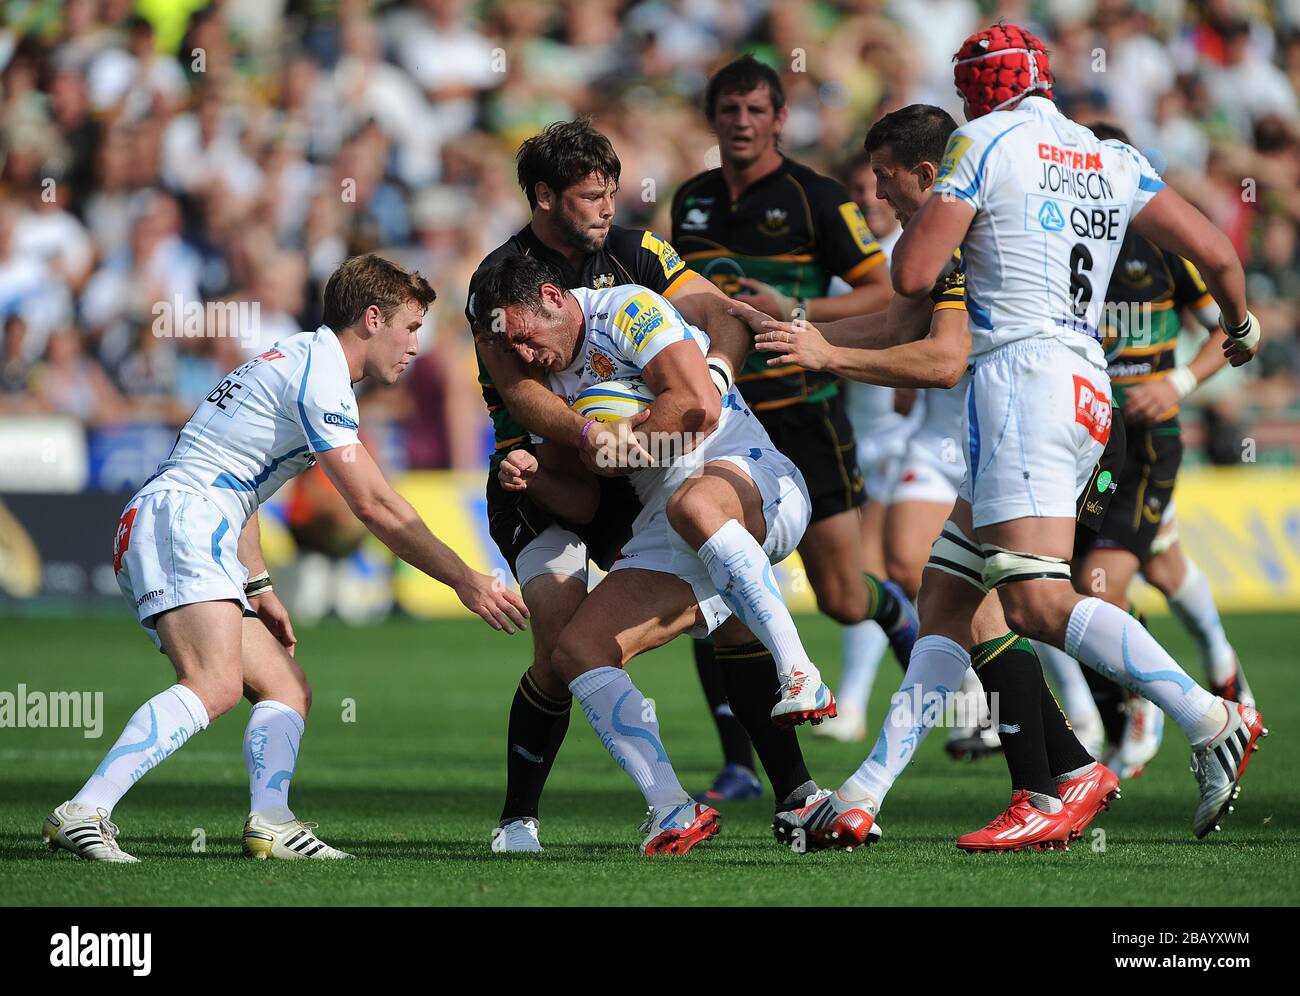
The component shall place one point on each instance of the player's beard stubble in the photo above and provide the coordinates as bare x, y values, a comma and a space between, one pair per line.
578, 235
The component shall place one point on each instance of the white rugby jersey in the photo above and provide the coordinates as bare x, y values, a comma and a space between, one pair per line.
1052, 203
262, 424
625, 328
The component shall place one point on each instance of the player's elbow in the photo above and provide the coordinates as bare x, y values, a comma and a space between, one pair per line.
949, 370
909, 280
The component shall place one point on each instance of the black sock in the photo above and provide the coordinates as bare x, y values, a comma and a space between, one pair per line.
750, 678
1008, 668
538, 723
882, 604
735, 741
1110, 699
1064, 752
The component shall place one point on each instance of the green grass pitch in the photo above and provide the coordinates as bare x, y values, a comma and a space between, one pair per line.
413, 787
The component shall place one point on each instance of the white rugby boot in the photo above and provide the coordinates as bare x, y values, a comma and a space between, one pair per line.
804, 698
87, 833
1219, 765
517, 837
1144, 728
291, 840
676, 828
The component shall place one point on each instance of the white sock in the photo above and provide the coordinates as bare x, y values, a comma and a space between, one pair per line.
937, 668
1076, 697
624, 719
1110, 641
865, 644
1193, 604
158, 729
972, 707
743, 576
271, 742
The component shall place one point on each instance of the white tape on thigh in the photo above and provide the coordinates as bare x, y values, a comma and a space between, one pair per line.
556, 551
955, 553
1001, 566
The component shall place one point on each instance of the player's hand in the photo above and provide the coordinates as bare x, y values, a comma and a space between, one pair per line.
795, 342
493, 602
1145, 403
517, 469
747, 313
767, 299
275, 617
615, 448
1242, 350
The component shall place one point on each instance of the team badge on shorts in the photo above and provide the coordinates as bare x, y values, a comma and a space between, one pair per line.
1092, 409
123, 538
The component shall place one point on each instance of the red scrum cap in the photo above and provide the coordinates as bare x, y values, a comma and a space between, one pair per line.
999, 65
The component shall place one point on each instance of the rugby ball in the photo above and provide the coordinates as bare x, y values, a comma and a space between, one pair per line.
613, 399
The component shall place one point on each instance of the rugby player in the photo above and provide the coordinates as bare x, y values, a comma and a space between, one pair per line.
570, 175
188, 558
1040, 208
718, 511
882, 419
1150, 290
772, 232
1043, 757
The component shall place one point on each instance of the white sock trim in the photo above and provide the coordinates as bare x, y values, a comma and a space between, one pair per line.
588, 684
288, 712
193, 705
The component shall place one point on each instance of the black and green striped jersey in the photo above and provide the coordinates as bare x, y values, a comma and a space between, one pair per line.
1148, 289
629, 256
794, 229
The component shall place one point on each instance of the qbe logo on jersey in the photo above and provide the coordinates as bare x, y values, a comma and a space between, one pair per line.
1092, 409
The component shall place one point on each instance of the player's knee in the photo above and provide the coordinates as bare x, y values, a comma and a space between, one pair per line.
570, 658
840, 599
905, 571
218, 694
1162, 573
689, 512
1036, 609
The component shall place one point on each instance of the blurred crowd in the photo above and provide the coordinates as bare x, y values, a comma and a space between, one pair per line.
165, 154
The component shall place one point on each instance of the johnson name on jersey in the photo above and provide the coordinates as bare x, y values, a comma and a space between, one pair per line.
262, 425
1052, 204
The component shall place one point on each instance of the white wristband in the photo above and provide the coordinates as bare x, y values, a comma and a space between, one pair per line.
1183, 380
1249, 338
721, 374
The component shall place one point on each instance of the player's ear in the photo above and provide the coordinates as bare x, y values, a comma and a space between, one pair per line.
925, 174
545, 195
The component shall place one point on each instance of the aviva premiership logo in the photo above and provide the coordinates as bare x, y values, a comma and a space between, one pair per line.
957, 147
639, 319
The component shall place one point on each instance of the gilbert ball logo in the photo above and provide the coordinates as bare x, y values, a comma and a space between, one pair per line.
93, 950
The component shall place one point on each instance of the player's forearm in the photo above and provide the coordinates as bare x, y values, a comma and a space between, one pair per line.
543, 413
681, 413
1226, 281
927, 363
392, 520
250, 547
862, 300
729, 336
858, 332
